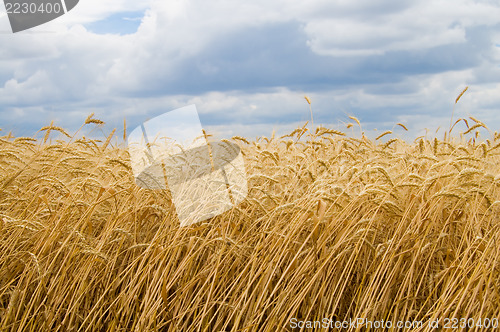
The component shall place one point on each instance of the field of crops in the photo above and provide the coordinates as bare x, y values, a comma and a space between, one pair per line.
334, 227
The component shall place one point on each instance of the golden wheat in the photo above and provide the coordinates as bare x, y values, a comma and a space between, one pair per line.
333, 227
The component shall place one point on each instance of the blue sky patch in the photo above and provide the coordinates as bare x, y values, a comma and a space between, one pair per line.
123, 23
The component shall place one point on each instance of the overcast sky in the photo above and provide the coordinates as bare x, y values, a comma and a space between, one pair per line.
247, 65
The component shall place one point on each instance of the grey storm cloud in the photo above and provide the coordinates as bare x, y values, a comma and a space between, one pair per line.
273, 55
250, 65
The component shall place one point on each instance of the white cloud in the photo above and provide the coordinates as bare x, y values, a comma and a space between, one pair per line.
75, 69
424, 25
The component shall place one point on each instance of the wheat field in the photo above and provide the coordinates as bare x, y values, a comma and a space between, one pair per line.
334, 226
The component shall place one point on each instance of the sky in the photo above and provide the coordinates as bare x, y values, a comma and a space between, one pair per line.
248, 65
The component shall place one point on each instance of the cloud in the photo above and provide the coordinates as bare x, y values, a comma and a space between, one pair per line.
418, 26
247, 65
